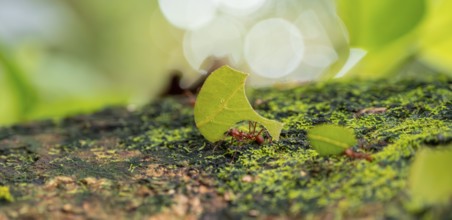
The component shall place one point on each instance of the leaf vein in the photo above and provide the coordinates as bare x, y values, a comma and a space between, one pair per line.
329, 141
211, 117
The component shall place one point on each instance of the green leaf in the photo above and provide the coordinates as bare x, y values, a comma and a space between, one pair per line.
369, 25
430, 179
5, 194
21, 89
389, 40
436, 37
222, 103
331, 139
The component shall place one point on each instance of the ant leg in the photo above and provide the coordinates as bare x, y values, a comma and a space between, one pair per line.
215, 147
251, 127
260, 132
255, 125
254, 128
233, 156
270, 139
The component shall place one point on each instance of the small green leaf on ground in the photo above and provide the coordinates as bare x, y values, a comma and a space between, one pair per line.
222, 103
331, 139
430, 179
5, 195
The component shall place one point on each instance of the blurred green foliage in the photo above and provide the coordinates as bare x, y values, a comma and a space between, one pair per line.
435, 42
397, 33
107, 53
99, 54
430, 182
373, 24
21, 98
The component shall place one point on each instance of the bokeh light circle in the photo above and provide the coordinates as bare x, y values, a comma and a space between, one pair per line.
274, 48
188, 14
222, 38
240, 7
320, 56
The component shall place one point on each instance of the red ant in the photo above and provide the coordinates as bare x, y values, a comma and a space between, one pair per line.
251, 135
355, 155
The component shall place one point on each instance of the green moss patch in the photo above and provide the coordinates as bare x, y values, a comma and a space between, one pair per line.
154, 162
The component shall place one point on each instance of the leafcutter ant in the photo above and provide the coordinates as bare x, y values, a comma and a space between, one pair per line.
251, 135
355, 155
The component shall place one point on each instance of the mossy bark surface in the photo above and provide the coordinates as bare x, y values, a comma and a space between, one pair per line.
153, 162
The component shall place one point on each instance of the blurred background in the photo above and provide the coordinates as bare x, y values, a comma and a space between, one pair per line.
62, 57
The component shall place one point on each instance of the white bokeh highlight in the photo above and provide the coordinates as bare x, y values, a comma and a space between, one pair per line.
188, 14
320, 56
222, 39
274, 48
356, 55
276, 41
240, 7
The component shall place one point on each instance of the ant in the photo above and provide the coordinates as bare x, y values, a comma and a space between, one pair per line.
355, 155
251, 135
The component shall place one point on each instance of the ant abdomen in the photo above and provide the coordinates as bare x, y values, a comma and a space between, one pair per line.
259, 139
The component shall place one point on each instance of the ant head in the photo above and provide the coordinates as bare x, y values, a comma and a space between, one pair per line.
349, 152
233, 132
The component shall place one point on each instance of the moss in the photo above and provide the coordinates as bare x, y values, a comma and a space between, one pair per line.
5, 195
392, 136
153, 161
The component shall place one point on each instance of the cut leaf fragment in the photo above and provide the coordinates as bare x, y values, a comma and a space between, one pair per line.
430, 180
331, 139
5, 194
222, 103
